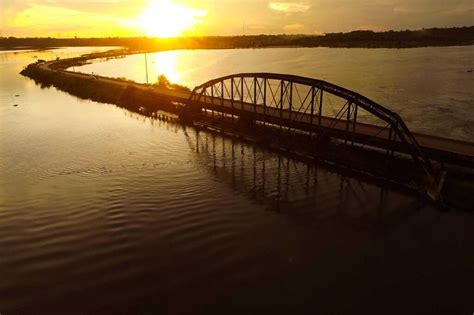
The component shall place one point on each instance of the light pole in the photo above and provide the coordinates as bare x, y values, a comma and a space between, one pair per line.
146, 68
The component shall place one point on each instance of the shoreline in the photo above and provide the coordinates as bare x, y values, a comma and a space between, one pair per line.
39, 48
27, 48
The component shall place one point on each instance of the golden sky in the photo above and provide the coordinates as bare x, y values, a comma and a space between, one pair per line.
165, 18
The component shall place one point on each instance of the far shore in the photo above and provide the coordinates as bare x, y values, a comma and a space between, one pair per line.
24, 48
434, 37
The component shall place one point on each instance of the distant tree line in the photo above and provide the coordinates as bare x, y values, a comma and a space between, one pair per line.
371, 39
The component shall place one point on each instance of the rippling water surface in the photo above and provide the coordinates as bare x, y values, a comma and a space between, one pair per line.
104, 211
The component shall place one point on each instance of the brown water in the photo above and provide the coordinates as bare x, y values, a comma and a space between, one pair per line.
431, 88
103, 211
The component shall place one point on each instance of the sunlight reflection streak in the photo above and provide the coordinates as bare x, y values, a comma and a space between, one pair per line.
166, 63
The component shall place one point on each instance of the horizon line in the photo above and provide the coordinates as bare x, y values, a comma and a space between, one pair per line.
244, 35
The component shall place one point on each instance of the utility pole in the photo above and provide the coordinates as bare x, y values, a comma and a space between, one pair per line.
146, 68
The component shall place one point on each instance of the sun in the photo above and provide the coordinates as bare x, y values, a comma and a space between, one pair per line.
163, 18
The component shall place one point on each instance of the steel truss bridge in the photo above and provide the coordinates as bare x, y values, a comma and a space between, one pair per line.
313, 106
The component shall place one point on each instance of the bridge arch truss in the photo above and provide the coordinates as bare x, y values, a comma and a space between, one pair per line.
297, 101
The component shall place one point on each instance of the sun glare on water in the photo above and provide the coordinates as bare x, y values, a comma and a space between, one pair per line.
164, 18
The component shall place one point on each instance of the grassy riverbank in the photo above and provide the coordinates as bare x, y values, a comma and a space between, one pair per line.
125, 96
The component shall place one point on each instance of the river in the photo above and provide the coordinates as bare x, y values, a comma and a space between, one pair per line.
106, 211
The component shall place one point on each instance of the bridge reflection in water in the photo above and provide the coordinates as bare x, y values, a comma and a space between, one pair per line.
301, 190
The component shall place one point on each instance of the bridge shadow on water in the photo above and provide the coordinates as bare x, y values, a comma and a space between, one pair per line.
307, 192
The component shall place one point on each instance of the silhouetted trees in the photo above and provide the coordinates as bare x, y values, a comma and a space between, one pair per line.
390, 39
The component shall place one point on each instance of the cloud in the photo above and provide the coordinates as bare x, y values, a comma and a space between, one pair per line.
288, 7
10, 8
293, 28
401, 10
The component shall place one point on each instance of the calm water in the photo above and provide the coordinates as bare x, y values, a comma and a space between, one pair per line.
103, 211
430, 88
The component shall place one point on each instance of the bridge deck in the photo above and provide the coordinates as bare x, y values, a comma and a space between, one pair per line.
434, 146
